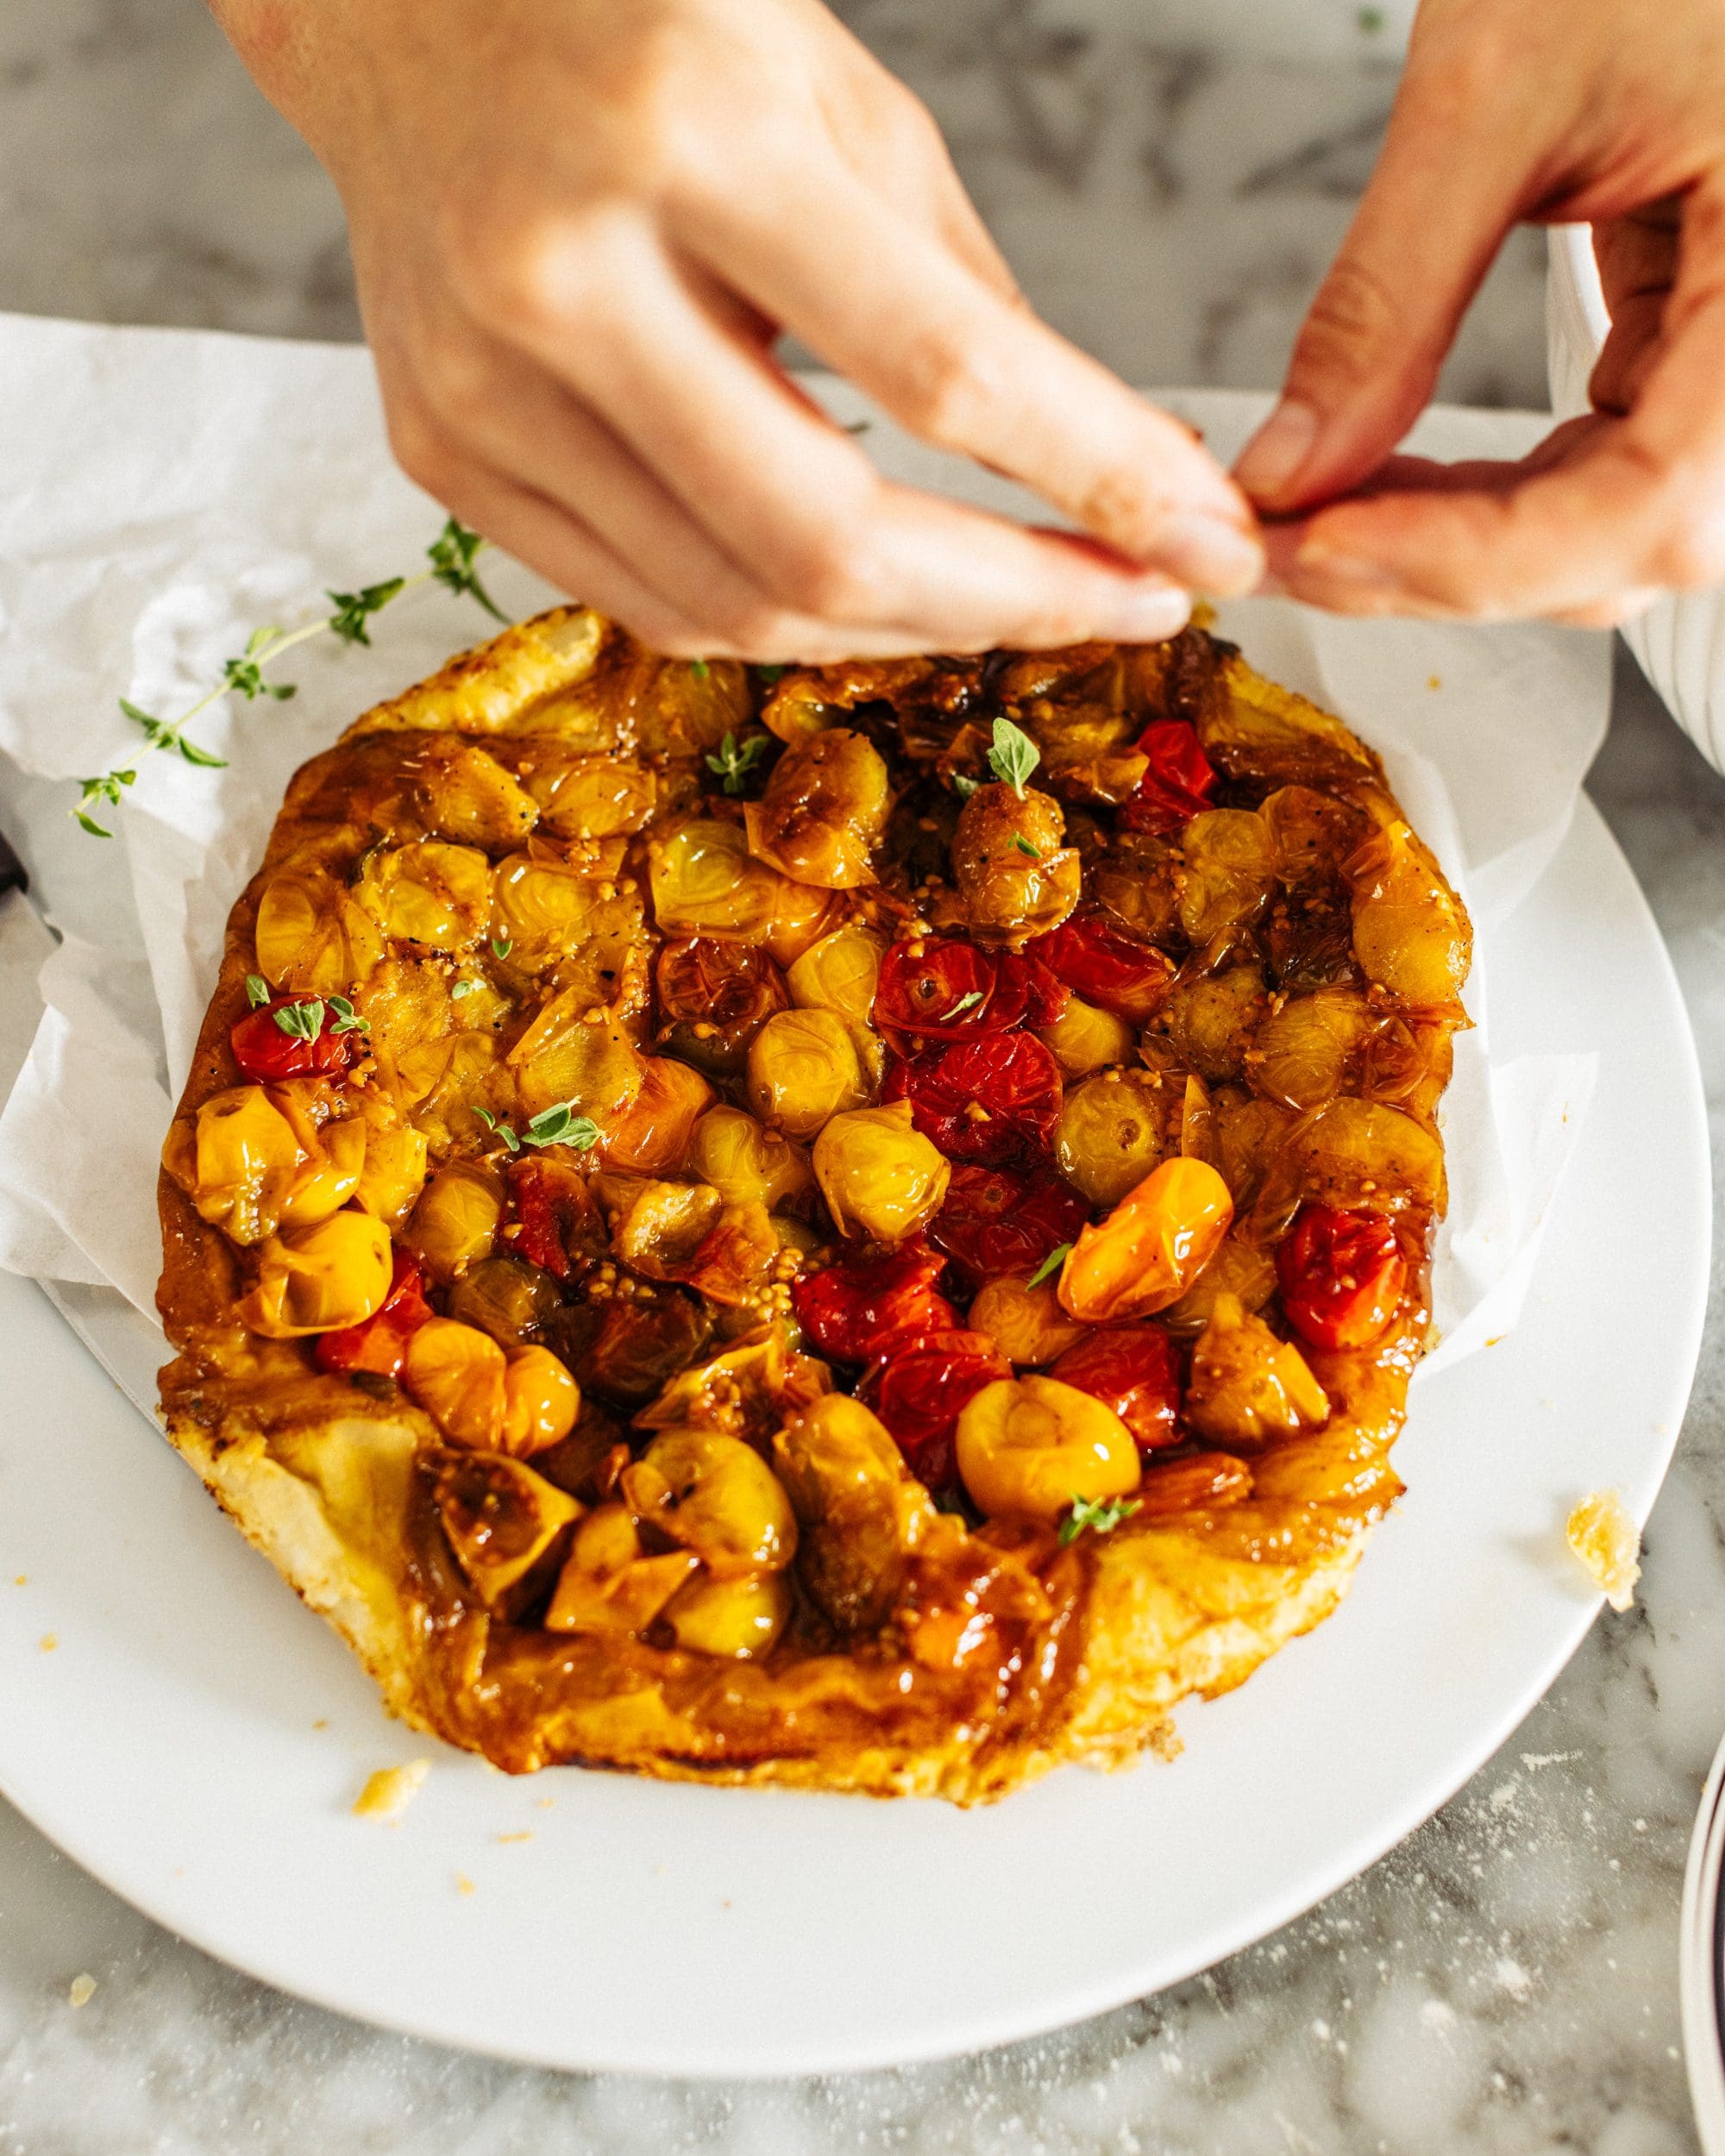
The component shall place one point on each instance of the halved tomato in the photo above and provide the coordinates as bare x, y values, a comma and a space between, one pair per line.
267, 1053
947, 989
923, 1386
1005, 1221
1342, 1274
380, 1344
1134, 1370
1107, 967
992, 1100
1178, 784
852, 1310
559, 1225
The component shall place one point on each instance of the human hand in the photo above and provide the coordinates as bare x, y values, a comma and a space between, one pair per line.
577, 230
1514, 110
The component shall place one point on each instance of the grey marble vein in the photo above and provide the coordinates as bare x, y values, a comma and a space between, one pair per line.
1168, 181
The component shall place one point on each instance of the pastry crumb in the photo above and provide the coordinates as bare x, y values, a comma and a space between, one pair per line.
1164, 1741
388, 1793
1609, 1544
1435, 682
81, 1989
322, 1722
20, 1579
464, 1884
526, 1834
48, 1642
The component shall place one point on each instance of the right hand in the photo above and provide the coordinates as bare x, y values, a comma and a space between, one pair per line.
577, 230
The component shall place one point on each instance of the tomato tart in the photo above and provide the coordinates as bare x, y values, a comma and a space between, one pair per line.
863, 1226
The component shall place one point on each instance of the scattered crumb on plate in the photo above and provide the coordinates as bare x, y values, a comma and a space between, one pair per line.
526, 1834
48, 1642
463, 1884
20, 1579
1609, 1544
388, 1793
81, 1989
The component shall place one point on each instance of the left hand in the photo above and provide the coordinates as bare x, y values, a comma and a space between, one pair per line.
1517, 110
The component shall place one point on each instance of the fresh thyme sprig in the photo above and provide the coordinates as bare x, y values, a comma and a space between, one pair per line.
735, 760
1088, 1512
452, 555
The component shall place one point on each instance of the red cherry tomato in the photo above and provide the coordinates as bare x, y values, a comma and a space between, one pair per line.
1004, 1221
267, 1055
560, 1228
1342, 1274
1179, 782
380, 1344
991, 1101
1135, 1371
853, 1309
1107, 967
919, 1391
945, 989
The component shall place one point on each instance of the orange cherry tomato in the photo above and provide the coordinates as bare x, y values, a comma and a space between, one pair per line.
1146, 1253
1342, 1274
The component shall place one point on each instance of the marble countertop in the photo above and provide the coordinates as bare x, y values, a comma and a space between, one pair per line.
1167, 180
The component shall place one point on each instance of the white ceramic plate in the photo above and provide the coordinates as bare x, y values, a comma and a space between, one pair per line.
196, 1739
1702, 1962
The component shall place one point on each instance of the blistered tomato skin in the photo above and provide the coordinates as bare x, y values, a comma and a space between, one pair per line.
380, 1344
1178, 784
267, 1055
944, 988
1134, 1370
992, 1100
920, 1391
853, 1310
1341, 1275
1107, 967
1002, 1220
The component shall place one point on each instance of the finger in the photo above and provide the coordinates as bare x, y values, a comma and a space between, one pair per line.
966, 369
508, 415
1442, 196
1622, 506
786, 493
1637, 256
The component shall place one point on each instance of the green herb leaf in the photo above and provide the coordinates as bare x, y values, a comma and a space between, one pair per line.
159, 735
106, 788
699, 668
301, 1021
1371, 21
1050, 1265
858, 426
496, 1126
1014, 757
1024, 846
257, 991
347, 1020
259, 638
354, 609
201, 757
771, 673
735, 760
89, 823
1087, 1512
246, 676
964, 788
964, 1003
462, 989
503, 945
452, 555
560, 1126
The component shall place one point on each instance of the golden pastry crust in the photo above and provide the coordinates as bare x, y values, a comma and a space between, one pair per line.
591, 759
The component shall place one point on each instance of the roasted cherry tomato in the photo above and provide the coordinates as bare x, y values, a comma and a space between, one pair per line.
560, 1228
1178, 784
268, 1054
1342, 1274
380, 1344
714, 998
991, 1101
851, 1310
1135, 1370
920, 1390
1002, 1220
1107, 967
947, 989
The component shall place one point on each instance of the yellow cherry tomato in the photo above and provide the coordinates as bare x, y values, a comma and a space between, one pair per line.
1029, 1447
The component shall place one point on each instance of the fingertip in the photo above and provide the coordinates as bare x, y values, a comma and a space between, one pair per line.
1268, 469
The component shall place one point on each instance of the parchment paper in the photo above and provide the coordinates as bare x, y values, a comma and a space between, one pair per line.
166, 491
